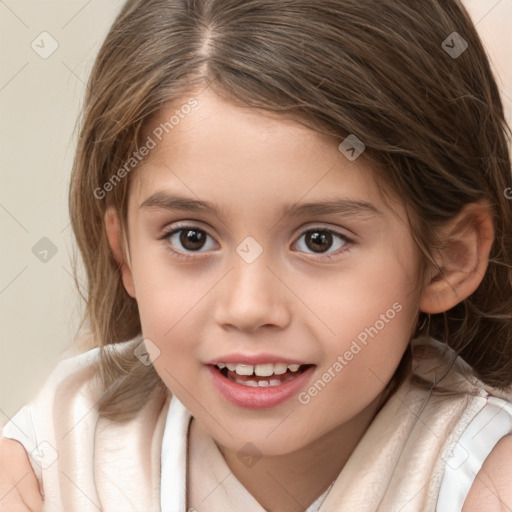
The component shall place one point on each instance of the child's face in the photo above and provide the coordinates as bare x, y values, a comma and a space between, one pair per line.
351, 316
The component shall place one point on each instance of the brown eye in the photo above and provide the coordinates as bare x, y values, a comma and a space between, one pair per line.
319, 241
192, 239
185, 239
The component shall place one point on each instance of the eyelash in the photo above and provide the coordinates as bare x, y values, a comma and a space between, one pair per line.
339, 253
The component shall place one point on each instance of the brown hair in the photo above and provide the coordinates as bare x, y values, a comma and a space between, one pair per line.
433, 126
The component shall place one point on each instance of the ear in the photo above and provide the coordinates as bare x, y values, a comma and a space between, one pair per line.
463, 260
114, 235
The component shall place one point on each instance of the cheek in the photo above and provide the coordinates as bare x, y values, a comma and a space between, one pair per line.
370, 314
372, 293
166, 292
177, 337
171, 303
359, 364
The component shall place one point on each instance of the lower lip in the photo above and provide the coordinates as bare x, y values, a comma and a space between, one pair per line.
260, 397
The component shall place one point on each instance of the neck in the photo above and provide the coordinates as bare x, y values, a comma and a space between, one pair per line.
291, 482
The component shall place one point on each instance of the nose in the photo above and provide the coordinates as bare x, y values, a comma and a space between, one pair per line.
252, 295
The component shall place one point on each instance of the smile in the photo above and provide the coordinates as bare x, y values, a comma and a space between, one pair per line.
261, 375
250, 390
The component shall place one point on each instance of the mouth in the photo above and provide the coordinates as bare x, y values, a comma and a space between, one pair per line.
259, 381
264, 375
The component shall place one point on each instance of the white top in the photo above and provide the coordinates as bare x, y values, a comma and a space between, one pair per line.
483, 430
467, 456
174, 454
174, 461
488, 426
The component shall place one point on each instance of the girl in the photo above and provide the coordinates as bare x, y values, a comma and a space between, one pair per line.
296, 224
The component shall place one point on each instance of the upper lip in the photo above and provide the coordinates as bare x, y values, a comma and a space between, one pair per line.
254, 359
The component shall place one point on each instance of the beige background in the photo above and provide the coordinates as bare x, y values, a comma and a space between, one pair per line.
39, 103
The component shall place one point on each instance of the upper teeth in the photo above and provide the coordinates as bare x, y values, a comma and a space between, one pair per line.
261, 370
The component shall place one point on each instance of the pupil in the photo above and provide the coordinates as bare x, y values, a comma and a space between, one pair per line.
320, 239
192, 239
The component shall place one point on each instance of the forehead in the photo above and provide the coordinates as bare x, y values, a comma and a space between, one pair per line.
239, 157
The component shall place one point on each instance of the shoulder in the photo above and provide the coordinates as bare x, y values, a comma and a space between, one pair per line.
492, 488
79, 365
66, 386
19, 486
77, 375
68, 369
72, 375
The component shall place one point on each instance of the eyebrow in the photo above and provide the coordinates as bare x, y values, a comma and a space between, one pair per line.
337, 206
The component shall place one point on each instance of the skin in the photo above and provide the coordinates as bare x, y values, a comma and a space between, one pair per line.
491, 489
288, 301
19, 489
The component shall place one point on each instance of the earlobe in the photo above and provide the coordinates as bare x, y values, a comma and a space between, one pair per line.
114, 235
467, 242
